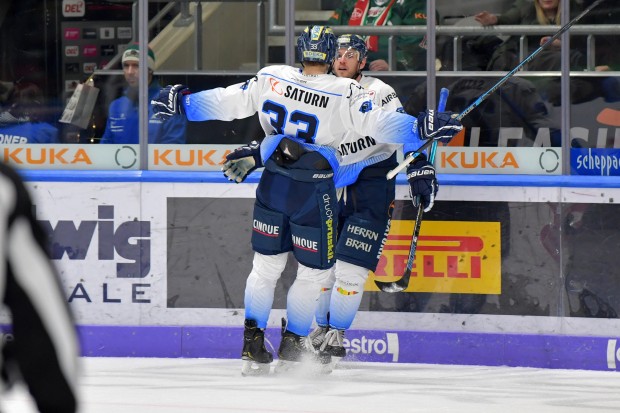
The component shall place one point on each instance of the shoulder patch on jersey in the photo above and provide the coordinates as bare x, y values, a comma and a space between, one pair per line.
366, 106
245, 85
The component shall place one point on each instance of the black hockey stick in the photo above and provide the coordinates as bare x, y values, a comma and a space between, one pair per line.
503, 80
403, 282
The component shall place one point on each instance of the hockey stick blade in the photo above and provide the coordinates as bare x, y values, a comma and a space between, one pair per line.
403, 282
391, 174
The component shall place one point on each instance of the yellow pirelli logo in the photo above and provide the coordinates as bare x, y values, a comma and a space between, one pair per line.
452, 257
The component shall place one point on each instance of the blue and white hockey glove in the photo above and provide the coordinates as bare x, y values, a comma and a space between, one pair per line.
423, 184
242, 161
169, 101
440, 126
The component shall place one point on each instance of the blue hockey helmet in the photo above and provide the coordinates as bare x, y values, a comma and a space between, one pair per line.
355, 42
317, 44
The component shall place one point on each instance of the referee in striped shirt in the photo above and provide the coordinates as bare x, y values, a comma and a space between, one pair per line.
44, 350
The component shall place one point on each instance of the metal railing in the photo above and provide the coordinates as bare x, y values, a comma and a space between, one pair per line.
456, 32
267, 26
460, 32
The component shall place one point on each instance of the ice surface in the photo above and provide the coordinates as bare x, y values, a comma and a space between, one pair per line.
152, 385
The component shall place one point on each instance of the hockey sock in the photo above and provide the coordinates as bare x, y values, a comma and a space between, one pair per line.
347, 294
302, 297
260, 286
323, 305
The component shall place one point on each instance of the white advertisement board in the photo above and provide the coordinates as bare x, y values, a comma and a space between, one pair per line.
114, 241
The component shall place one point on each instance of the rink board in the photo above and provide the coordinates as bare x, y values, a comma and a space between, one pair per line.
522, 350
154, 265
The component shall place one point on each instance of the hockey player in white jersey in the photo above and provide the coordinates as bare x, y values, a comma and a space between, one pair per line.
365, 208
305, 115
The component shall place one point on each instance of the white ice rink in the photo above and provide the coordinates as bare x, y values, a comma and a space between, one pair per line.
150, 385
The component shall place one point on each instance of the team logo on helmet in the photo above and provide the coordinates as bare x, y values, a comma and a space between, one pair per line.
315, 34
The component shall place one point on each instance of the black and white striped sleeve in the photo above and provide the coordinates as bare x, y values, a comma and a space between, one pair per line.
45, 346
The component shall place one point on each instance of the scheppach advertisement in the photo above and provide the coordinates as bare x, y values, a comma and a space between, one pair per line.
179, 253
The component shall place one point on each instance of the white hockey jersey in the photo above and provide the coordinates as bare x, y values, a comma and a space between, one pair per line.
356, 147
318, 109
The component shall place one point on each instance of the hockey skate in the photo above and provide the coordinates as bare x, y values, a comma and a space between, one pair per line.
256, 358
317, 336
332, 349
296, 350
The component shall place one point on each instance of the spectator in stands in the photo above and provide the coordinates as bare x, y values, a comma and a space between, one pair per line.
44, 350
410, 50
607, 56
22, 118
541, 12
524, 12
123, 119
513, 115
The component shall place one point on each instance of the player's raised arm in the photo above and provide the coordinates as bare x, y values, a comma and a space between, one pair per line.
237, 101
394, 127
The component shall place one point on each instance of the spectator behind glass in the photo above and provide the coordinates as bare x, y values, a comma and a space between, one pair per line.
542, 12
538, 12
410, 50
22, 116
607, 50
515, 115
123, 118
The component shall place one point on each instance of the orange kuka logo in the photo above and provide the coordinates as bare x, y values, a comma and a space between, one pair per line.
43, 155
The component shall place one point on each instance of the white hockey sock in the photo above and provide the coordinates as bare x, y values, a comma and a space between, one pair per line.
260, 286
302, 298
324, 298
347, 294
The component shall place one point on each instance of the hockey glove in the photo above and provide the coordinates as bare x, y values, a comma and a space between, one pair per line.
169, 101
242, 161
438, 125
423, 184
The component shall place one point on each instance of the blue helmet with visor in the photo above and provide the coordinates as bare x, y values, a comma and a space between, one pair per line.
317, 44
355, 42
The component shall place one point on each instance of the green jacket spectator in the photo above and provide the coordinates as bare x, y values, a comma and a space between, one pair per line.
410, 50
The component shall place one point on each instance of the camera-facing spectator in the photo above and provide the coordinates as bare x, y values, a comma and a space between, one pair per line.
122, 125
